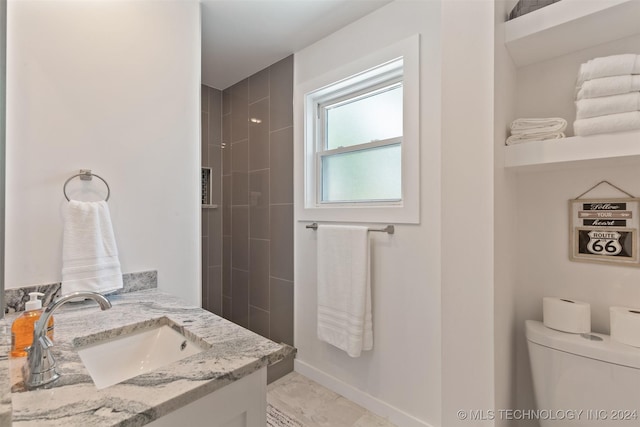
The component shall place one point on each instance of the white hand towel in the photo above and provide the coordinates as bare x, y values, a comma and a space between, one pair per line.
621, 122
344, 288
602, 106
615, 65
538, 126
89, 253
519, 139
607, 86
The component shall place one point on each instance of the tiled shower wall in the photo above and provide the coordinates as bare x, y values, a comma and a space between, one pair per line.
212, 217
247, 242
257, 202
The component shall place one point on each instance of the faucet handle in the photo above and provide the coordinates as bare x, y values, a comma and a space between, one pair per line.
40, 367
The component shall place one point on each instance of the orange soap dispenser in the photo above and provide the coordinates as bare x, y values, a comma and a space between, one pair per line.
22, 328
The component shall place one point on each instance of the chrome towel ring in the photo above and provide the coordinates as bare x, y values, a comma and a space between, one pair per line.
85, 175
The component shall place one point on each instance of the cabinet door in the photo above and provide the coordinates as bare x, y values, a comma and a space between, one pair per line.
242, 403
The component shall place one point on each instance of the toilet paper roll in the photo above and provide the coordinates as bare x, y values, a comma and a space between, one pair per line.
566, 315
625, 325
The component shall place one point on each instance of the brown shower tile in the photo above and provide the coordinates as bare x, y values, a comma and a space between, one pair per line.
204, 245
240, 189
204, 97
214, 290
226, 101
226, 205
226, 266
259, 135
259, 277
204, 138
259, 204
281, 220
281, 93
215, 160
215, 238
215, 116
240, 111
240, 237
240, 156
204, 220
281, 313
216, 184
281, 160
205, 290
259, 85
259, 321
226, 308
240, 297
226, 140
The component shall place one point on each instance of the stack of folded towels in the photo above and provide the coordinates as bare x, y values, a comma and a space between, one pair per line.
525, 130
608, 95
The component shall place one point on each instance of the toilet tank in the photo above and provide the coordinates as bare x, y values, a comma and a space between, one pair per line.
590, 378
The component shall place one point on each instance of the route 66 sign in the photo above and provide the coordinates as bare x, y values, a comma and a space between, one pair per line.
604, 230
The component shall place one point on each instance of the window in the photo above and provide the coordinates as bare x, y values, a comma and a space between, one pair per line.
361, 139
360, 144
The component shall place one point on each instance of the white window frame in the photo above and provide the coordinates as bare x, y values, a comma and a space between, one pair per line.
375, 69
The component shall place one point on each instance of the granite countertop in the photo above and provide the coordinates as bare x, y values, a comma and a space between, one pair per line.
73, 400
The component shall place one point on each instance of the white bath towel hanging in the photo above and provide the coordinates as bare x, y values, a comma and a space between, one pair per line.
89, 252
344, 288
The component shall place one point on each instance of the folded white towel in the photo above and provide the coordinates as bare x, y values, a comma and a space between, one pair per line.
607, 86
538, 126
605, 105
89, 252
344, 288
614, 65
607, 124
519, 139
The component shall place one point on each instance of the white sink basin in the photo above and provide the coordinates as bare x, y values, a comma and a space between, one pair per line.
115, 360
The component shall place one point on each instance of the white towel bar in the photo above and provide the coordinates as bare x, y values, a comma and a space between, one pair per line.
389, 229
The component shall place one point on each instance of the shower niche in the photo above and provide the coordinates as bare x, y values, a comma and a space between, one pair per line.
206, 182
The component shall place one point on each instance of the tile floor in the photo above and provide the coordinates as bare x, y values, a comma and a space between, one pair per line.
315, 406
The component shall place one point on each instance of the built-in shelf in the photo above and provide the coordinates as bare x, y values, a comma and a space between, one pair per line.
594, 150
209, 206
568, 26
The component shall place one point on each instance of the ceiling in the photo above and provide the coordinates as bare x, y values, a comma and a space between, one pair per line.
242, 37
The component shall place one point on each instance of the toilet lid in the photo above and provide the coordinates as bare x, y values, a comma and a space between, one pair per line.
605, 349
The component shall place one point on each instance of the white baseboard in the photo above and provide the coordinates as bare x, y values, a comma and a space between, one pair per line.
372, 404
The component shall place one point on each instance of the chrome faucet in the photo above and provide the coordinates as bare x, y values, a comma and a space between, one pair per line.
40, 368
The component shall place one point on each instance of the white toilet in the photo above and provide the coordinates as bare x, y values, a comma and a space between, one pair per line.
597, 379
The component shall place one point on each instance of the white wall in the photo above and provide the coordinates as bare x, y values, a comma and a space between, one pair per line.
111, 86
543, 267
432, 283
505, 222
467, 210
401, 377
